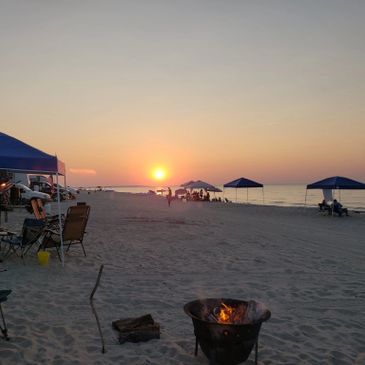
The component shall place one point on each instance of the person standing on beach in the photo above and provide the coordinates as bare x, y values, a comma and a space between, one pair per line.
169, 196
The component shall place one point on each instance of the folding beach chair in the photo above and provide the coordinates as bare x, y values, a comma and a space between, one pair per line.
73, 230
20, 245
3, 297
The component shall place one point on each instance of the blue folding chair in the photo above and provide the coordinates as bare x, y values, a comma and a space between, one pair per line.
31, 233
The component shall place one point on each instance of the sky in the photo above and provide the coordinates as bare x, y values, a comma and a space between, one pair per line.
213, 90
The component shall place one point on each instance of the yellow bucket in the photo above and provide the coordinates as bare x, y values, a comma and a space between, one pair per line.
43, 257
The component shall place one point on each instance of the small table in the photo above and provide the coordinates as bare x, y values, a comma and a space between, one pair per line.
4, 234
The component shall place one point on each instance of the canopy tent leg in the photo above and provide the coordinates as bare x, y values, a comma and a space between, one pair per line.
60, 221
247, 197
305, 199
236, 195
263, 196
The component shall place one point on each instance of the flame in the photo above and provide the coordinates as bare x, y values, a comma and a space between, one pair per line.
228, 314
225, 313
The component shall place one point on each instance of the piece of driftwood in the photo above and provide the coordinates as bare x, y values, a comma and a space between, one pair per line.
94, 310
137, 329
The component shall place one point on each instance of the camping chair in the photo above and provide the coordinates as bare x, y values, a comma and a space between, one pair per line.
31, 232
3, 297
73, 230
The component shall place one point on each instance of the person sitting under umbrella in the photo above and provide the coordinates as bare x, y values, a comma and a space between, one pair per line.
338, 208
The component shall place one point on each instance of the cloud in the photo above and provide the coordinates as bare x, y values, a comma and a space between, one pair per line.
83, 171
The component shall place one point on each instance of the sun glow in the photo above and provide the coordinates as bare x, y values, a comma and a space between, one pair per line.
159, 174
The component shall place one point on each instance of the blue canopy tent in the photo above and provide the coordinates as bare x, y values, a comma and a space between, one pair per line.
244, 183
335, 183
17, 156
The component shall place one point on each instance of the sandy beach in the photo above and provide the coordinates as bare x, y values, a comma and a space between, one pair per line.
306, 267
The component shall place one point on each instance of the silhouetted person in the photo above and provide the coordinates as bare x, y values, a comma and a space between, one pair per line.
169, 196
324, 205
337, 208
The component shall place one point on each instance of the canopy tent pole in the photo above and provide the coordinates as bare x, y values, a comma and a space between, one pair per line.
59, 220
236, 195
247, 197
305, 199
263, 196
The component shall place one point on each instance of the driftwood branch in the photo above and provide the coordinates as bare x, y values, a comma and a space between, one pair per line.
94, 311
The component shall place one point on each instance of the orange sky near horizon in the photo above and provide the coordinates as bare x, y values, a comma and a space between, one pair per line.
101, 163
274, 93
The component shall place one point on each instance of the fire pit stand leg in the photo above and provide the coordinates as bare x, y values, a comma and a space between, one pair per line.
196, 346
256, 350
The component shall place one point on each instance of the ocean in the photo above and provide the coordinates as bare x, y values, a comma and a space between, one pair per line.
280, 195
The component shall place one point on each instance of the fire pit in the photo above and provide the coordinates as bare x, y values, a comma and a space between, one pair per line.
226, 329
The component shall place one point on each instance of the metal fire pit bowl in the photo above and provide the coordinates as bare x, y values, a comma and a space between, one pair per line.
224, 344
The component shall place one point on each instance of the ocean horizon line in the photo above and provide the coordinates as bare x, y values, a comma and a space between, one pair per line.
176, 185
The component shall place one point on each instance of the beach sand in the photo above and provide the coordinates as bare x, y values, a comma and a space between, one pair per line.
308, 268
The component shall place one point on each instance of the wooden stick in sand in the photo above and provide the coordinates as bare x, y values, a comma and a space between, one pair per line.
94, 311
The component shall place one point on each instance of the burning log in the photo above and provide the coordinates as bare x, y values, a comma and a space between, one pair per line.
244, 313
137, 329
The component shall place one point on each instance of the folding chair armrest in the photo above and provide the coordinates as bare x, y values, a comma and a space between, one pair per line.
51, 231
12, 239
54, 216
8, 233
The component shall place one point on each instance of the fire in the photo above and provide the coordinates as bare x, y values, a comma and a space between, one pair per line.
228, 314
225, 313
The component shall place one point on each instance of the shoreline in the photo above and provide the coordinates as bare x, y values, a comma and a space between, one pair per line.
357, 210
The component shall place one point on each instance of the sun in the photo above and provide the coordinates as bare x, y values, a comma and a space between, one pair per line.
159, 174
